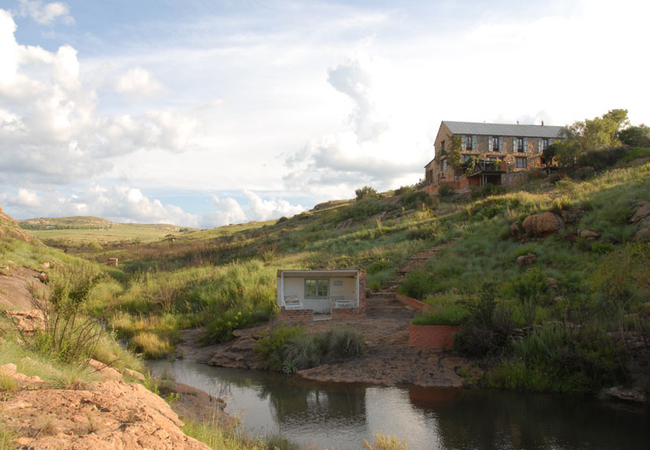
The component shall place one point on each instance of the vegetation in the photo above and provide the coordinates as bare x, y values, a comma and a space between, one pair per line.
288, 349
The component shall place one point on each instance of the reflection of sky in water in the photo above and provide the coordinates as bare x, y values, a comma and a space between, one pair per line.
343, 415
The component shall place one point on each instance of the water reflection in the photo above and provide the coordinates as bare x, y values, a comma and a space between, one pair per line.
342, 415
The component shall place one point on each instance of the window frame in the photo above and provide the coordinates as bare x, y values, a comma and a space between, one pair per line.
469, 146
319, 283
521, 159
495, 143
520, 145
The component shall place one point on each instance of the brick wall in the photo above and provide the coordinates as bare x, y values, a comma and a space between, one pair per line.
414, 303
295, 316
432, 336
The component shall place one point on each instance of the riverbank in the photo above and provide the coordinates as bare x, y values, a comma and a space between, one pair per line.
388, 359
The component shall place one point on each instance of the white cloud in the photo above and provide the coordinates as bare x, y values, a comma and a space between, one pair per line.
50, 131
261, 209
137, 83
229, 212
46, 14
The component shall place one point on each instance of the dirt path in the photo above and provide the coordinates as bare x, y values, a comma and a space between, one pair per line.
388, 360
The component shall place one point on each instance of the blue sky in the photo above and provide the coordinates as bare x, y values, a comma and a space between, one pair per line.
204, 113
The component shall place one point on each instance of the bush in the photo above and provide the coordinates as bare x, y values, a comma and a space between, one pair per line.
417, 284
446, 190
300, 352
150, 345
366, 192
474, 341
602, 159
270, 347
342, 343
417, 199
486, 191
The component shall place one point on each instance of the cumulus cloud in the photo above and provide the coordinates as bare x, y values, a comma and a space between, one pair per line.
229, 212
355, 80
49, 129
45, 14
119, 203
372, 150
137, 83
261, 209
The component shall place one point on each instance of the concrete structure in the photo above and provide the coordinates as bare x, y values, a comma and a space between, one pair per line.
336, 293
488, 153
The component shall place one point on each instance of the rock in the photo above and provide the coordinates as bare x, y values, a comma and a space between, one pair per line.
526, 260
109, 415
642, 213
28, 322
46, 265
543, 224
643, 235
514, 229
42, 277
629, 395
104, 372
588, 234
135, 374
551, 283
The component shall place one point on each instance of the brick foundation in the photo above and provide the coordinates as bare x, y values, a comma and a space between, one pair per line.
295, 316
432, 336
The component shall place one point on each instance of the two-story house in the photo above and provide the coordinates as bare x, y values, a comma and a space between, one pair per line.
468, 153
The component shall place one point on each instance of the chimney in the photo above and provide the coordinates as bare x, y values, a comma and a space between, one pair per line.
542, 123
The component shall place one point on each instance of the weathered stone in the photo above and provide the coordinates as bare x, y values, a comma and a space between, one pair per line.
551, 283
42, 277
543, 224
589, 234
526, 260
630, 395
642, 213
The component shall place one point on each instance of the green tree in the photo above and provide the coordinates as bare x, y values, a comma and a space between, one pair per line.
591, 134
635, 136
366, 192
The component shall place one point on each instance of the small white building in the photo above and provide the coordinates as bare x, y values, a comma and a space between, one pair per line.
321, 291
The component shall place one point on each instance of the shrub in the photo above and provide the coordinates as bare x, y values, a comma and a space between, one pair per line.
300, 352
270, 347
379, 265
446, 190
417, 284
474, 341
344, 342
366, 192
417, 199
487, 190
602, 159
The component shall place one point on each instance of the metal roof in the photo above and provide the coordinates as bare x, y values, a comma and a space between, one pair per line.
503, 129
318, 273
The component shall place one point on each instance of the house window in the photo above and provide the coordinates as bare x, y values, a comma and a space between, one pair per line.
444, 165
465, 158
544, 144
317, 288
495, 143
521, 163
519, 145
442, 147
468, 143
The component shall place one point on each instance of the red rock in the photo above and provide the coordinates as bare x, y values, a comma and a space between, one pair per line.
543, 224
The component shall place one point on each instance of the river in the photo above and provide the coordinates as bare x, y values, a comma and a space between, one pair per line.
341, 416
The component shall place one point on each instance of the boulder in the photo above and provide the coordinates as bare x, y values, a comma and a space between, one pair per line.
551, 283
526, 260
642, 213
543, 224
589, 234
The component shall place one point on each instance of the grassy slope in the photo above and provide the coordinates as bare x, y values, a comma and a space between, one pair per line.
209, 276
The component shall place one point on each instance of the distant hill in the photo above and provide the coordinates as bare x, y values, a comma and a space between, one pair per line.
66, 232
85, 223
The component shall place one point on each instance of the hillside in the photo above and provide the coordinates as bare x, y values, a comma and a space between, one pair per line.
77, 231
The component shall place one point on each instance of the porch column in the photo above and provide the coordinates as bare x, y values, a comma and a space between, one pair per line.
356, 289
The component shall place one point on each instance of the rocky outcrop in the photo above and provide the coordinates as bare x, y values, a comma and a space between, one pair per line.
107, 415
588, 234
27, 322
543, 224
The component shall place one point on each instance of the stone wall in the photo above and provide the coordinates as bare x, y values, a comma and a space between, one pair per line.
432, 336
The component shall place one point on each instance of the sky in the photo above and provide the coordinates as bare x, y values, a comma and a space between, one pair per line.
205, 113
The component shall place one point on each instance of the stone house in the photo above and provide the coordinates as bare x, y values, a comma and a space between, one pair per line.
475, 154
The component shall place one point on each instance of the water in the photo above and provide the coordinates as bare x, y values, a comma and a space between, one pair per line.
336, 415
